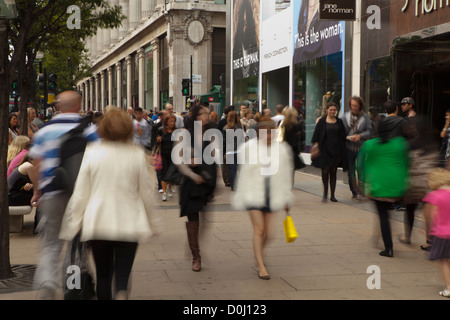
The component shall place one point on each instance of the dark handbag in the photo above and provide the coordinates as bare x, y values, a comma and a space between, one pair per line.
173, 175
298, 162
315, 152
75, 288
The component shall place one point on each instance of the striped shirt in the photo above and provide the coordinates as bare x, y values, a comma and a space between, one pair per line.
46, 144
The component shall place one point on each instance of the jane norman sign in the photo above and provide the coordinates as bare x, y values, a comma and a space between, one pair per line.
424, 6
337, 10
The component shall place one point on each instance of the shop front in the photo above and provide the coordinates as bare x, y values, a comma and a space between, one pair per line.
408, 56
318, 64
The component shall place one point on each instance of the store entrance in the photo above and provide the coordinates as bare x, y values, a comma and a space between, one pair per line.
432, 87
421, 70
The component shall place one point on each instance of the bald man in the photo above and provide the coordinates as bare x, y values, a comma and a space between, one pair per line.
47, 196
179, 123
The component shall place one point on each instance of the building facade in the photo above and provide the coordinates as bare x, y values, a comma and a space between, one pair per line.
282, 53
142, 63
407, 54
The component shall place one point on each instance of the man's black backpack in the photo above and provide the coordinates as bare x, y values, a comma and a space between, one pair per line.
73, 144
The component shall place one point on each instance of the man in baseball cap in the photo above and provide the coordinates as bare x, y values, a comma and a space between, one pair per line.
408, 107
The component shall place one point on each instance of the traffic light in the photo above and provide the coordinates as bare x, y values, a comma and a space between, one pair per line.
41, 81
15, 88
52, 86
185, 87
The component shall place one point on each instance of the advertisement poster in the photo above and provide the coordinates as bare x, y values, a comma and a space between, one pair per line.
314, 38
245, 38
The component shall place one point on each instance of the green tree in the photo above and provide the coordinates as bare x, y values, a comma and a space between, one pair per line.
38, 23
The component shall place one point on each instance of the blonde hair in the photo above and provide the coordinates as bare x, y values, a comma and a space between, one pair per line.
438, 178
17, 145
29, 110
290, 116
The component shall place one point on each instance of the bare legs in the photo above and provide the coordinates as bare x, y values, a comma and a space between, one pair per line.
261, 224
445, 267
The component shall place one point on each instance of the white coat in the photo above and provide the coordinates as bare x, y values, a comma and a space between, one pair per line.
250, 178
112, 198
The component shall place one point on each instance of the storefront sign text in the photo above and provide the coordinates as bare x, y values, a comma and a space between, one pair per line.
426, 6
337, 10
319, 35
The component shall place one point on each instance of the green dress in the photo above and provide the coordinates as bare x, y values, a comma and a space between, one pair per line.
383, 168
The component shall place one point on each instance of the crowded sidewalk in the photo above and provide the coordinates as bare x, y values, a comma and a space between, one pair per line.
332, 259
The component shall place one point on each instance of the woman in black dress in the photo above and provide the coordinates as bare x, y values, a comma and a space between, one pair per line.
199, 182
165, 139
329, 137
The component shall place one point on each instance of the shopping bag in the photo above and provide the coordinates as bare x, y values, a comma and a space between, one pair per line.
156, 158
289, 229
76, 265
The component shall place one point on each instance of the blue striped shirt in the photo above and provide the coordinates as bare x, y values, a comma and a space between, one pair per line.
46, 144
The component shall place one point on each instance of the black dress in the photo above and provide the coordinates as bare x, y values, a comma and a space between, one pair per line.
331, 139
332, 152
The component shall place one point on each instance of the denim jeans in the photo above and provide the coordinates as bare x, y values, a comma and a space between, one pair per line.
48, 271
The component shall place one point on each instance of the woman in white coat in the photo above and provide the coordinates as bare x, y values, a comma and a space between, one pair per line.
111, 204
263, 186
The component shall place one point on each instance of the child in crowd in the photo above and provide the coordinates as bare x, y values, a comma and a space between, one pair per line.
437, 215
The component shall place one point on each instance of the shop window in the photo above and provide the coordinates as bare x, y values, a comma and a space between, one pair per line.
316, 83
245, 90
377, 83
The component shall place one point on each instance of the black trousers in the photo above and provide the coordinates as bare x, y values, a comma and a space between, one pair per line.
383, 213
112, 258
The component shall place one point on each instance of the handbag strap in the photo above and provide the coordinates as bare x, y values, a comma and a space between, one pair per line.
156, 149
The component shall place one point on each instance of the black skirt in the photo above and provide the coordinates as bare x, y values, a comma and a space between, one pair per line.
440, 249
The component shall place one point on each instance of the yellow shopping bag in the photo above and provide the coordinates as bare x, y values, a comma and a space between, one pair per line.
289, 229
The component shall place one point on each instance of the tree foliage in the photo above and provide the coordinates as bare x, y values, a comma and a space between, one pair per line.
40, 24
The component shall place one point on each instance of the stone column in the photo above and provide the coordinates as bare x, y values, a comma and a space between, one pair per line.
102, 90
134, 14
86, 97
123, 29
146, 9
141, 82
114, 33
106, 39
119, 83
93, 53
92, 97
99, 42
156, 105
128, 62
97, 92
110, 88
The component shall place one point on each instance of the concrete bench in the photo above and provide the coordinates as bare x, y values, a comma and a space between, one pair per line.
16, 214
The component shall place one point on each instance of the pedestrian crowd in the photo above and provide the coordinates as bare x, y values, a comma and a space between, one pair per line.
110, 207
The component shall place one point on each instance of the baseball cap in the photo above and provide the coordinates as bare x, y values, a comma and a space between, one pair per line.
408, 100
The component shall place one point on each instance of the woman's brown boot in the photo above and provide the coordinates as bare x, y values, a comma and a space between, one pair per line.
192, 233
